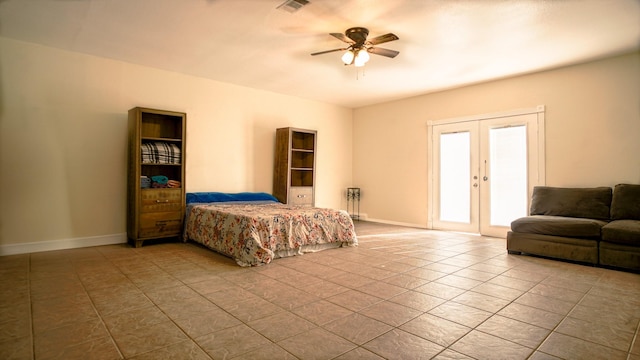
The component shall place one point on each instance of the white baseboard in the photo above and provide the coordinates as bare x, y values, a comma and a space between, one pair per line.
62, 244
419, 226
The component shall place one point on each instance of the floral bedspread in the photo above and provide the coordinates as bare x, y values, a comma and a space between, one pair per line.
252, 233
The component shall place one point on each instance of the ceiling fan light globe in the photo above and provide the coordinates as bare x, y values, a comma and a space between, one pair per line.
347, 58
362, 56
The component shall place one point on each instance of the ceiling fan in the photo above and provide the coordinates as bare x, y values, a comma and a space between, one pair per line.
357, 53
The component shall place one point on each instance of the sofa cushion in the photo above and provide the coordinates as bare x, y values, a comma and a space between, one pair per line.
558, 226
625, 232
626, 202
591, 203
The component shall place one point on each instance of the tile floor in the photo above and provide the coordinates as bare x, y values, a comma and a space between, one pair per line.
402, 294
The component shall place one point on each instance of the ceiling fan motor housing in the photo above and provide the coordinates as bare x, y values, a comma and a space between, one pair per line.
357, 34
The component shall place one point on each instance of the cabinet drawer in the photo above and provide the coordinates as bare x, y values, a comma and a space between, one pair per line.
161, 200
160, 224
301, 195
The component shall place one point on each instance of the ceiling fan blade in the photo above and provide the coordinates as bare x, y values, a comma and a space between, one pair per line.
383, 39
342, 37
327, 51
383, 52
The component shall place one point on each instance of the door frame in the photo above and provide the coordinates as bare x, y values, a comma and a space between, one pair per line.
539, 177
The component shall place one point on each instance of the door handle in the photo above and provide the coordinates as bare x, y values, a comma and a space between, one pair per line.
485, 178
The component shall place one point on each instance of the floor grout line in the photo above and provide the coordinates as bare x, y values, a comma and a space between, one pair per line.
30, 300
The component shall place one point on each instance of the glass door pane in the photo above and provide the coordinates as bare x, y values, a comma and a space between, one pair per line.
508, 169
455, 172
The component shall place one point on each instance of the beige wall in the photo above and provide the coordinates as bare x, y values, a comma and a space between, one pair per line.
63, 122
63, 137
592, 132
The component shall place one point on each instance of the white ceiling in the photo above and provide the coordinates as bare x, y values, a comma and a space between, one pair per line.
443, 43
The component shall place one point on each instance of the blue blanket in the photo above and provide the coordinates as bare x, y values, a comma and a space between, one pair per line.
209, 197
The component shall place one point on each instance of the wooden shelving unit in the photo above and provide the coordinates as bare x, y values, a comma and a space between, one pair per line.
154, 213
295, 166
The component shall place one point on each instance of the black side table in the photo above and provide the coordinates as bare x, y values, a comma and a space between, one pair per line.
353, 199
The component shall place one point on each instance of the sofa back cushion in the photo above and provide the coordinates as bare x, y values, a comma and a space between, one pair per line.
626, 202
591, 203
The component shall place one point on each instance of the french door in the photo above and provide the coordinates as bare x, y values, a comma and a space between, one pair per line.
482, 171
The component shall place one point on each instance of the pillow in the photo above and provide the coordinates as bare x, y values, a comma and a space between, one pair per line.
591, 203
626, 202
209, 197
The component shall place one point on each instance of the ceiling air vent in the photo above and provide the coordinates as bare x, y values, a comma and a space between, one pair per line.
292, 5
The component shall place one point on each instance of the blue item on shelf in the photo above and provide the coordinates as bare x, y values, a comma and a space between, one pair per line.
145, 182
160, 179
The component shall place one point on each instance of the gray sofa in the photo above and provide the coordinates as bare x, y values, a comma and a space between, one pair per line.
599, 226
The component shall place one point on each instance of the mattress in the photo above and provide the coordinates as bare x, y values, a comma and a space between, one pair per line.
255, 233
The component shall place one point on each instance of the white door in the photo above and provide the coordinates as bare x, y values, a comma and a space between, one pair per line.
456, 184
484, 172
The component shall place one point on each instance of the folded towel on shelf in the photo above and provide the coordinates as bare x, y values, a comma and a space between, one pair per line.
174, 184
145, 182
160, 153
160, 179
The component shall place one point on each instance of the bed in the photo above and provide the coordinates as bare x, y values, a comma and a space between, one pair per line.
255, 228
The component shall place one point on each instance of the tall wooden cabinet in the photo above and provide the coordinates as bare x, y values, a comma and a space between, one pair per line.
156, 174
294, 174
